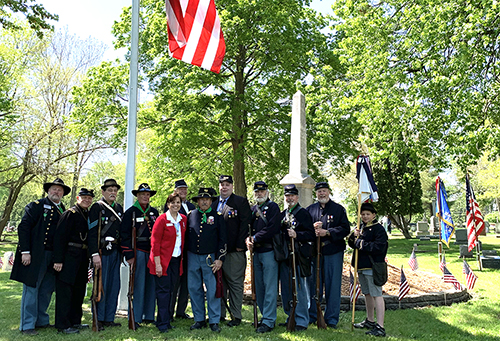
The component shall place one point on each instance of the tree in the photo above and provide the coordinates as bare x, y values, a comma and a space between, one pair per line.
428, 69
238, 122
35, 14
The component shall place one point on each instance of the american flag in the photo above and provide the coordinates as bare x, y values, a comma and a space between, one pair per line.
11, 259
194, 33
475, 222
1, 263
412, 262
90, 275
449, 278
404, 287
442, 265
470, 277
352, 295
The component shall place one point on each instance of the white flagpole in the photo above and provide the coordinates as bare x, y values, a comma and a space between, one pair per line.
132, 107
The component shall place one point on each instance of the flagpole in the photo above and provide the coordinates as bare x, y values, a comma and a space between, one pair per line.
356, 264
440, 244
472, 207
132, 108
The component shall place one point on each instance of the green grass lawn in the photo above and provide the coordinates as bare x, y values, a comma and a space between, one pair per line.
477, 319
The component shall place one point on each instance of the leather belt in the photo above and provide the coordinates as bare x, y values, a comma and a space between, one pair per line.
143, 239
79, 246
264, 245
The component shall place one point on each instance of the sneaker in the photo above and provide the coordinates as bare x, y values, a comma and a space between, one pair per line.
234, 323
376, 331
198, 325
365, 324
29, 332
264, 329
215, 327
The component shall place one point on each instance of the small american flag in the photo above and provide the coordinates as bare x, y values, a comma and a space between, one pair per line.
470, 277
412, 262
449, 278
475, 221
353, 296
1, 263
404, 287
11, 259
90, 275
443, 263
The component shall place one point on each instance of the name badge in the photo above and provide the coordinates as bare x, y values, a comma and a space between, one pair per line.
140, 219
170, 224
47, 206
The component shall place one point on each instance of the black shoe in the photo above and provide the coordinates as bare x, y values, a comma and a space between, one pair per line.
312, 322
111, 324
81, 326
258, 325
183, 316
198, 325
137, 326
376, 331
29, 332
148, 321
331, 325
282, 324
222, 319
300, 328
264, 329
215, 327
163, 330
69, 330
365, 324
234, 323
45, 326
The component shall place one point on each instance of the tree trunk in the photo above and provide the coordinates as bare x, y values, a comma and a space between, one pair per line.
401, 224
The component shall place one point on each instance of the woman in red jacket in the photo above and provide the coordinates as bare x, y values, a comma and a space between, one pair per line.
165, 260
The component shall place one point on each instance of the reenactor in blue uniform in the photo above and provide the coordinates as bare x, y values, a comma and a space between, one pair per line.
33, 261
206, 244
296, 225
237, 214
265, 224
71, 262
332, 226
105, 217
141, 216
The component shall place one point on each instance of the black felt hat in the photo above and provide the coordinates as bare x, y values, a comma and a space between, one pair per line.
84, 191
366, 206
110, 183
57, 182
144, 187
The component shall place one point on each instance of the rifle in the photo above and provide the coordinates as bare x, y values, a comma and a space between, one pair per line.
254, 298
97, 282
320, 319
290, 326
130, 295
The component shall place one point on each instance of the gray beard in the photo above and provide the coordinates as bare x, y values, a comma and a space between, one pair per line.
323, 201
261, 200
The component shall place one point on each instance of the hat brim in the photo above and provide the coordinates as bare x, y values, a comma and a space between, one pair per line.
152, 193
47, 185
104, 187
291, 193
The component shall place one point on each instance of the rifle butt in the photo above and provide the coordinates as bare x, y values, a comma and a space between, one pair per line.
320, 318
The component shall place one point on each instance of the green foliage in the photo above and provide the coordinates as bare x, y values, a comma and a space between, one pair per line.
35, 14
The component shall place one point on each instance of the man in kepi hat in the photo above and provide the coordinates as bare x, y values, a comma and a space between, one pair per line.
296, 224
332, 226
141, 217
71, 263
181, 293
206, 244
33, 262
105, 217
265, 224
237, 214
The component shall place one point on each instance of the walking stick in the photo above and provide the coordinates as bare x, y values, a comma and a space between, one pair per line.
130, 296
356, 262
291, 320
320, 319
97, 281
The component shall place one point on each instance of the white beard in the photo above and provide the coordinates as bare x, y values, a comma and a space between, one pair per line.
323, 201
261, 200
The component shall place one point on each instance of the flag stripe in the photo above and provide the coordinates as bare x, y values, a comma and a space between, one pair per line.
404, 287
475, 221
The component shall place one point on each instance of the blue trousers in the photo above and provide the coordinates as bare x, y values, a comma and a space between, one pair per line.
35, 301
302, 308
165, 285
144, 289
266, 285
198, 273
106, 308
331, 281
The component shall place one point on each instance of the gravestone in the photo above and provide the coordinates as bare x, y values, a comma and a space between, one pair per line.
422, 228
297, 173
491, 262
434, 226
464, 250
460, 237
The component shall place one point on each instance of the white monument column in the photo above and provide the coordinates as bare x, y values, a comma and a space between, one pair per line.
297, 173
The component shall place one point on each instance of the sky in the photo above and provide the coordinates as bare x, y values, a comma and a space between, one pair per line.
95, 18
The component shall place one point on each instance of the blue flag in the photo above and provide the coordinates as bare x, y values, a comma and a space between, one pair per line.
443, 213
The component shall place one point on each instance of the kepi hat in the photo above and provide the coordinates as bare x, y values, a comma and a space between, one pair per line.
204, 192
291, 189
320, 185
366, 206
180, 183
227, 178
259, 185
84, 191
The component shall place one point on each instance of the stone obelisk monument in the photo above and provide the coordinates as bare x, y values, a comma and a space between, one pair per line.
297, 173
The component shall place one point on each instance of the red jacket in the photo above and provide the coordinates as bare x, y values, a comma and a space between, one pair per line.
163, 242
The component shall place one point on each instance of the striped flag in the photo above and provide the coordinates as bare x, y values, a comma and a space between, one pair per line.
475, 222
412, 262
442, 265
353, 295
449, 278
194, 33
367, 187
1, 263
11, 259
90, 274
470, 277
404, 287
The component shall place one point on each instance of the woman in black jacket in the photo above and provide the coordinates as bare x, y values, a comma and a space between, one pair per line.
371, 242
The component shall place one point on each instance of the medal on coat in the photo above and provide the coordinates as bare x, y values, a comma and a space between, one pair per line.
210, 220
